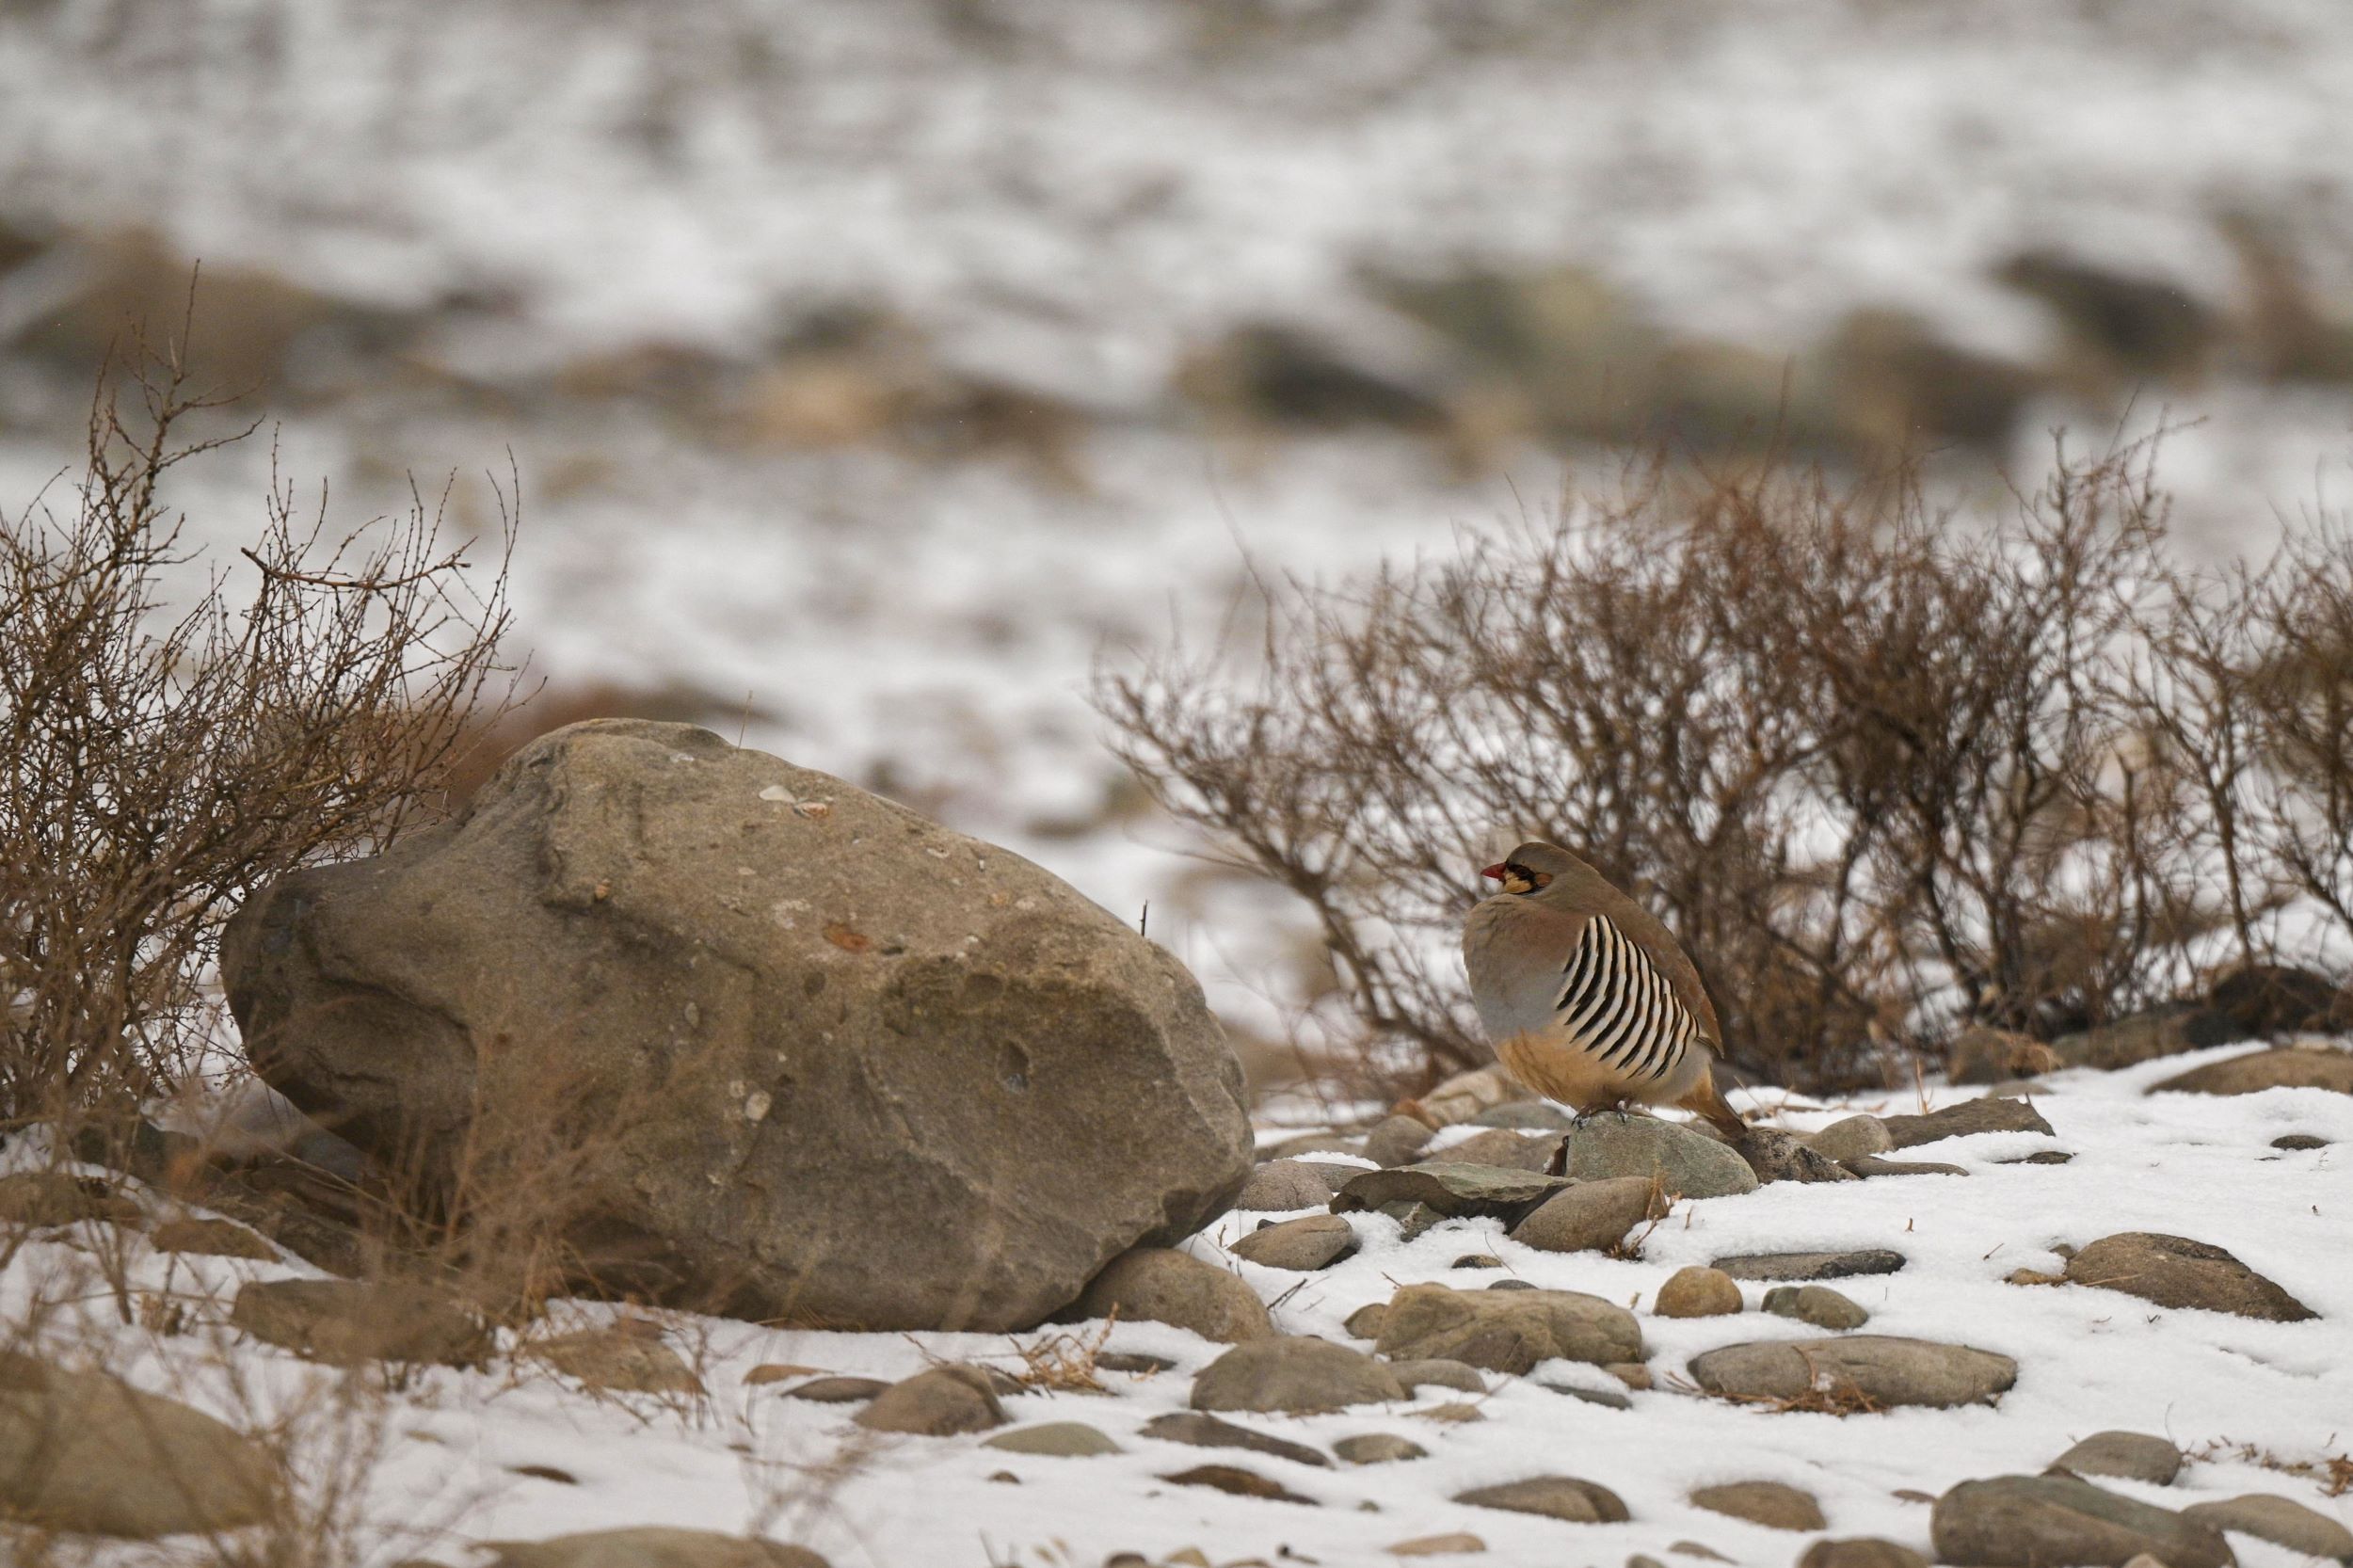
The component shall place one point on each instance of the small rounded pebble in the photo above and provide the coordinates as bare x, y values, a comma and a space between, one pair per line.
1698, 1292
1378, 1447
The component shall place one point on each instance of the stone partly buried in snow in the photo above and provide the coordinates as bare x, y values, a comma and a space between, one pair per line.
2130, 1455
1507, 1331
2279, 1521
85, 1452
1592, 1216
1993, 1113
847, 1068
1687, 1163
939, 1402
1856, 1371
1204, 1430
1782, 1267
1309, 1242
1563, 1498
2174, 1270
1295, 1376
2029, 1521
2266, 1069
649, 1546
346, 1321
1164, 1285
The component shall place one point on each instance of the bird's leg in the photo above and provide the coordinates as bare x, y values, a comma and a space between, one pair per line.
1559, 1164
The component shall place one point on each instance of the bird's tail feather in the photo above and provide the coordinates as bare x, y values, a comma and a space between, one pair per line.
1709, 1102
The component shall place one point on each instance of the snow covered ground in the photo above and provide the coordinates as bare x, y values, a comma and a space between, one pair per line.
2088, 1359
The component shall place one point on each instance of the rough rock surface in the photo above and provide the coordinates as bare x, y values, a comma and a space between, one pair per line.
1778, 1156
1293, 1375
2174, 1270
1204, 1430
1310, 1241
837, 1390
1770, 1503
649, 1546
2029, 1521
1564, 1497
1882, 1370
853, 1068
1507, 1331
342, 1322
1698, 1292
1590, 1216
1687, 1163
1993, 1113
2266, 1069
2279, 1520
2127, 1455
938, 1402
1164, 1286
82, 1451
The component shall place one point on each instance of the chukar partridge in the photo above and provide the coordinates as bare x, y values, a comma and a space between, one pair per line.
1585, 997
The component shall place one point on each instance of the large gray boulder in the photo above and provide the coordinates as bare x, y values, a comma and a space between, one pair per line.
834, 1063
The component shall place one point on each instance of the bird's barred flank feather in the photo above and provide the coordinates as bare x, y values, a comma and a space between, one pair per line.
1615, 1005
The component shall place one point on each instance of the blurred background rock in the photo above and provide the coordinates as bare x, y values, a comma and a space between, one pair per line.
873, 366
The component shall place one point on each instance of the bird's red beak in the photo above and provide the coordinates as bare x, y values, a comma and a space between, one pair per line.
1495, 871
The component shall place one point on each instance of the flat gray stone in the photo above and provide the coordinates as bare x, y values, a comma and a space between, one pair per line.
1687, 1163
2146, 1036
1203, 1431
2298, 1141
1993, 1114
837, 1390
1294, 1376
1862, 1371
2030, 1521
1309, 1242
1452, 1190
1055, 1440
2127, 1455
1507, 1331
1799, 1266
2279, 1521
649, 1546
2174, 1270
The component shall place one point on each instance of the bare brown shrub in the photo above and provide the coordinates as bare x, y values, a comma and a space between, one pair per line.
158, 760
1884, 773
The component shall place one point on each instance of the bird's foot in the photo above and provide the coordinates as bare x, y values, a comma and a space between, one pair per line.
1559, 1164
